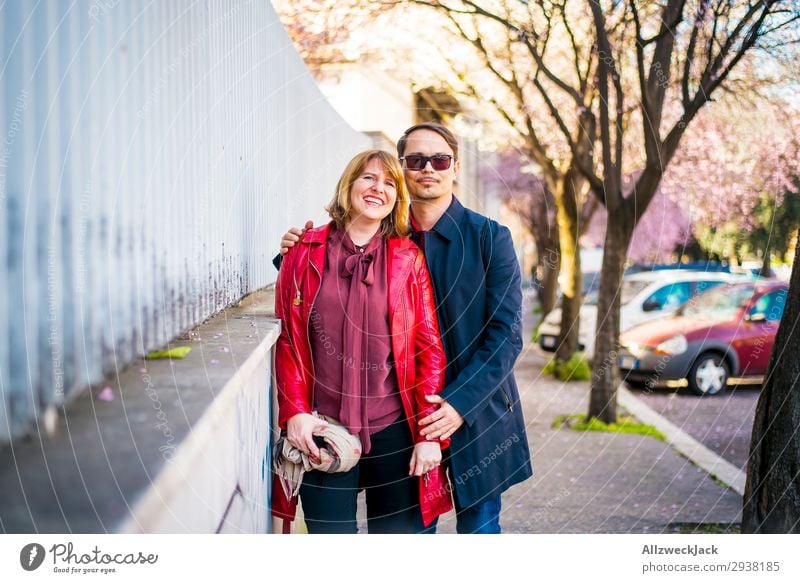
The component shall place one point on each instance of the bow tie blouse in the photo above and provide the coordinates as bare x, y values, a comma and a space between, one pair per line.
350, 338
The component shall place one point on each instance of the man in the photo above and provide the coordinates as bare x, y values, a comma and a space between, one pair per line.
476, 281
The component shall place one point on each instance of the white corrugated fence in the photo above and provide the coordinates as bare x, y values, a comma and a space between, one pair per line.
151, 155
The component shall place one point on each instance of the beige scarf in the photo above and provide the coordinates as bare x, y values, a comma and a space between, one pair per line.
340, 454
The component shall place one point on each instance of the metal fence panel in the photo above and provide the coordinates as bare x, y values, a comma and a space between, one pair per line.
153, 153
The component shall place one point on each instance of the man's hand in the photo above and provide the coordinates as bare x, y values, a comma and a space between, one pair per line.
426, 456
293, 236
443, 422
300, 432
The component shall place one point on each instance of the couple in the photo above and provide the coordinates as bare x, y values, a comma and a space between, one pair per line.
408, 342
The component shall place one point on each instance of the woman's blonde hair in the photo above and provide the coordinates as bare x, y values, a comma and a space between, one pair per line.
340, 208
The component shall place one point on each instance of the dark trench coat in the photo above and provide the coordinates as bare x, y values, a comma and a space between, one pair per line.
476, 281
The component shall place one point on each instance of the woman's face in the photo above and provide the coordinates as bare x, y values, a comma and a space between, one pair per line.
373, 194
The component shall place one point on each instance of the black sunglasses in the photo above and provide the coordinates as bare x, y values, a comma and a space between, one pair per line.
438, 162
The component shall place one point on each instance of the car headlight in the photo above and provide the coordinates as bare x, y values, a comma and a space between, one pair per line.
633, 348
675, 345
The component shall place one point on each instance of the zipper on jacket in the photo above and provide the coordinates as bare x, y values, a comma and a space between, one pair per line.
308, 334
507, 400
297, 300
404, 310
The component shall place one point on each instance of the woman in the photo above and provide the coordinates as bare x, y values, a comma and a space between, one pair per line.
360, 344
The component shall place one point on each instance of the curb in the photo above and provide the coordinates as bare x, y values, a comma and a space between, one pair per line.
684, 443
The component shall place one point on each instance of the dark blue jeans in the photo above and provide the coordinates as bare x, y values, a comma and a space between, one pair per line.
482, 518
329, 500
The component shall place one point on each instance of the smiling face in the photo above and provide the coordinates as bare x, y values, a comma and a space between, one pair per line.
371, 189
373, 194
429, 184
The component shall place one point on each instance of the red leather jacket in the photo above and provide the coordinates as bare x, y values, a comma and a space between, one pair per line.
416, 346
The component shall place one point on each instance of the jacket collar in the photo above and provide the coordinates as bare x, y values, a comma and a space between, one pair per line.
314, 241
317, 234
448, 224
401, 251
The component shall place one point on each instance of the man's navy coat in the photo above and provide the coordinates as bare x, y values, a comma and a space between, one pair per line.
476, 280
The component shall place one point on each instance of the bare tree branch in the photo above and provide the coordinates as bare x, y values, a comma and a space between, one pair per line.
651, 142
781, 25
662, 60
735, 35
576, 52
665, 29
538, 149
524, 37
611, 174
687, 65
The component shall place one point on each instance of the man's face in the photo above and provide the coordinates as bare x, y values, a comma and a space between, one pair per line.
429, 184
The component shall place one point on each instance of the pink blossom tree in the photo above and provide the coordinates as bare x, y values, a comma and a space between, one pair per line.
513, 177
631, 77
594, 91
663, 229
729, 177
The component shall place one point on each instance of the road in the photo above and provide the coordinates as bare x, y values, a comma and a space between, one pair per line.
723, 422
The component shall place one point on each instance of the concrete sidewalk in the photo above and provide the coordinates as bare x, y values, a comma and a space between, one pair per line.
592, 482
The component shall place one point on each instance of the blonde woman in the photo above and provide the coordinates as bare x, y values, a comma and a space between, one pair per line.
360, 344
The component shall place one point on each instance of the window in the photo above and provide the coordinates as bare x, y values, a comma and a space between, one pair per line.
671, 296
719, 304
704, 286
630, 289
770, 305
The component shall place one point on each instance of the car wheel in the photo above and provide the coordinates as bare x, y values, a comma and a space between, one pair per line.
709, 374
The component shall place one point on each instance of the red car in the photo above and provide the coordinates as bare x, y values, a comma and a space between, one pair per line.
727, 331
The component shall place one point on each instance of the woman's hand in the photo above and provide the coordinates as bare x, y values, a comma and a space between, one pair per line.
426, 456
300, 432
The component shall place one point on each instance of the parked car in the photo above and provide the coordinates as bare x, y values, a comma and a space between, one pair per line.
754, 268
686, 266
727, 331
644, 296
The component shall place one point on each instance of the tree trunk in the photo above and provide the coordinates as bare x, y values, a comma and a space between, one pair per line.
548, 249
772, 493
605, 372
766, 266
549, 266
568, 191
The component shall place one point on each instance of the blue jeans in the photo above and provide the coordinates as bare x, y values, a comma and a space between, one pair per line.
481, 518
329, 500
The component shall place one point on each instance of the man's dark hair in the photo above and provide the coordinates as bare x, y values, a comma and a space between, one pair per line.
434, 127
